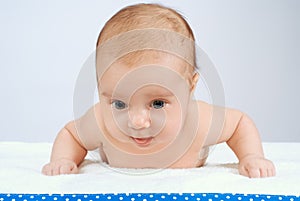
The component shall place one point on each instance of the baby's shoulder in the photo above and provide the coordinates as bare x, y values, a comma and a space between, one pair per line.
208, 108
204, 107
89, 128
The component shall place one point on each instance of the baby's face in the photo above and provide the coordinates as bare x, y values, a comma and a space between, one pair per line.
144, 106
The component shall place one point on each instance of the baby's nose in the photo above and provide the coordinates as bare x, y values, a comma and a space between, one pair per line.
139, 119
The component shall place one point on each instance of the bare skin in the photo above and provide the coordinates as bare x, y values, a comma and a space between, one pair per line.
128, 142
241, 136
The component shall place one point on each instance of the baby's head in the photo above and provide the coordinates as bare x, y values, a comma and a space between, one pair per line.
146, 73
146, 31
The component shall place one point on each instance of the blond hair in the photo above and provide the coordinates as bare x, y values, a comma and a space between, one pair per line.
143, 17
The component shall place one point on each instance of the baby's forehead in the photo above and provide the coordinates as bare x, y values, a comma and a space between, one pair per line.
123, 81
145, 68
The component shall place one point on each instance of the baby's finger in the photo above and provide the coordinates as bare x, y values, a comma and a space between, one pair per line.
243, 171
55, 170
271, 171
45, 170
65, 169
264, 172
74, 170
49, 172
254, 173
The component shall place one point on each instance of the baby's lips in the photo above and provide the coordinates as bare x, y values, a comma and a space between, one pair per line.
143, 141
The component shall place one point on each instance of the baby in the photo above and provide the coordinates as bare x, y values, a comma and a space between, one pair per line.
146, 116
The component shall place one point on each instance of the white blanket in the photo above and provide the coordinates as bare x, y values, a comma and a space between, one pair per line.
21, 163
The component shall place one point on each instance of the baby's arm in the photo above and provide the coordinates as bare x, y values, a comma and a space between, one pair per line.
67, 152
243, 138
72, 143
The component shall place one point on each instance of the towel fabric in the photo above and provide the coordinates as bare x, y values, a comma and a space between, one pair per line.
21, 163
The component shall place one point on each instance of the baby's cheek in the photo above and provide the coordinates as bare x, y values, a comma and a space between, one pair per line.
172, 126
112, 125
168, 134
175, 116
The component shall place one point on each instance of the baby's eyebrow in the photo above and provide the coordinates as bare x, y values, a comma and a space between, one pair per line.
105, 94
109, 95
162, 94
157, 94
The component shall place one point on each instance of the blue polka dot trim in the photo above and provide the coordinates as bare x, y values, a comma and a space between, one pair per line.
148, 197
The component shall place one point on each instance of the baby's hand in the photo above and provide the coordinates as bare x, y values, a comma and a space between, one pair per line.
255, 167
61, 166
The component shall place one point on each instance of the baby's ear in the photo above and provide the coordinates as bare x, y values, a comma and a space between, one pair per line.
194, 81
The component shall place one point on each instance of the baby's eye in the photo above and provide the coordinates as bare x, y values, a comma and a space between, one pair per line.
119, 105
158, 104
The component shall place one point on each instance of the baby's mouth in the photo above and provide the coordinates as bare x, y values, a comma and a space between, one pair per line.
143, 142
